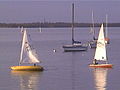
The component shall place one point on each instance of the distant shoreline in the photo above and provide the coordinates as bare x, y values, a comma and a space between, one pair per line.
53, 25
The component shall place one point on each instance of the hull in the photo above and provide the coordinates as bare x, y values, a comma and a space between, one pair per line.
68, 48
101, 65
27, 68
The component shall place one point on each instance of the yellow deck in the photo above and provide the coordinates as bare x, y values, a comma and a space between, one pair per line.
27, 68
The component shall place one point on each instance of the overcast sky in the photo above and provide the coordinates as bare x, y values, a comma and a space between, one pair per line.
58, 10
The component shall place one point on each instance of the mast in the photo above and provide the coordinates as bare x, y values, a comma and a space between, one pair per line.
72, 23
40, 28
93, 26
106, 30
22, 47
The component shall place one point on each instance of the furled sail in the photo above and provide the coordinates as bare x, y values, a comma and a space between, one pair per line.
28, 54
100, 53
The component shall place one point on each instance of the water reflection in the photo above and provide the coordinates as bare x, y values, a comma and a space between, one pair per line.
29, 80
100, 78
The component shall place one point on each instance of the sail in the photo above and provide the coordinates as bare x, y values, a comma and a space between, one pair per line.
30, 55
100, 53
33, 57
22, 29
22, 47
40, 29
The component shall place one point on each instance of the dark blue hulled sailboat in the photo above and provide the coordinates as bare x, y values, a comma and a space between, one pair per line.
76, 45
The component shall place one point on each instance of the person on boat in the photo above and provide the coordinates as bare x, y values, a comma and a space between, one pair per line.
95, 62
95, 39
34, 64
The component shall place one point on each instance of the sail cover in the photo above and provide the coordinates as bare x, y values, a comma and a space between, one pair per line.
100, 53
28, 54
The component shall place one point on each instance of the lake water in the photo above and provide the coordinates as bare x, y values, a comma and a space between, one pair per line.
63, 70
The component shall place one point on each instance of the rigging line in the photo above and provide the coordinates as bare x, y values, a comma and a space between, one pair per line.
31, 46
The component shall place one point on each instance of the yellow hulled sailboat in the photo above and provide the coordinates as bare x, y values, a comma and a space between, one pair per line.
28, 55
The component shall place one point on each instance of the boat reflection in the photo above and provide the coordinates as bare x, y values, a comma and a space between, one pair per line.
29, 80
100, 78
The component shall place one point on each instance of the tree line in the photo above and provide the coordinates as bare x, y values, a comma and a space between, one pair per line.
53, 25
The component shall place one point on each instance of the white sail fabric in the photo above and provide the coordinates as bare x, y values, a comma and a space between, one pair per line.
29, 53
22, 48
33, 57
100, 53
40, 29
22, 29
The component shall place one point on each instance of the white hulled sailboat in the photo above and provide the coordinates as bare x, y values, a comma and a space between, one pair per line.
28, 55
107, 40
100, 53
93, 42
40, 29
76, 45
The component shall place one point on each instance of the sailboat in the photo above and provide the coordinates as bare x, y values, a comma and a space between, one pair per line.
28, 55
93, 42
100, 53
76, 45
40, 29
107, 40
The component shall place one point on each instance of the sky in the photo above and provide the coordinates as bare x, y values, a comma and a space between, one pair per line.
17, 11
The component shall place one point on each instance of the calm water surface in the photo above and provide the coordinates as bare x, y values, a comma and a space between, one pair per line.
63, 71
